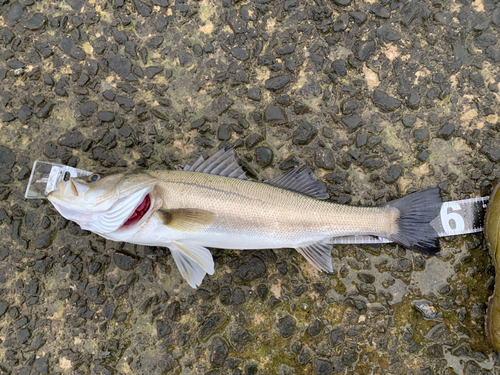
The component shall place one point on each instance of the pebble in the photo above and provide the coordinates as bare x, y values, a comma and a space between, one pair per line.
385, 102
388, 34
304, 134
264, 156
277, 83
254, 94
286, 326
274, 114
124, 261
252, 269
241, 54
88, 108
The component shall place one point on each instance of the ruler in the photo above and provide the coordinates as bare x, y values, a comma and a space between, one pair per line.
455, 218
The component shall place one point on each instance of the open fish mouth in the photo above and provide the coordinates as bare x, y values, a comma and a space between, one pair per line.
141, 210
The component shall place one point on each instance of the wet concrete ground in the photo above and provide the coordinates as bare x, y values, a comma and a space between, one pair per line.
379, 98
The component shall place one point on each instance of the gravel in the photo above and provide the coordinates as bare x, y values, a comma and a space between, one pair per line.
379, 99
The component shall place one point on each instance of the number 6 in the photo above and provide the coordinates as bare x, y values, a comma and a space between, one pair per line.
447, 217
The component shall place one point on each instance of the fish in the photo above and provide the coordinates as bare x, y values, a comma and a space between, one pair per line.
492, 239
213, 204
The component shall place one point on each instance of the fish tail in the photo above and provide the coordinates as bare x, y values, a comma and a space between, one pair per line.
416, 211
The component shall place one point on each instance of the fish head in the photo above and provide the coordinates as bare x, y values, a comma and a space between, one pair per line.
105, 204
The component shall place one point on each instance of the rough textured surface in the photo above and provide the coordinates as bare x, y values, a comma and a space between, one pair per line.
378, 98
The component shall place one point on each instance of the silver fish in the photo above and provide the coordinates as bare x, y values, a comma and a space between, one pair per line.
212, 204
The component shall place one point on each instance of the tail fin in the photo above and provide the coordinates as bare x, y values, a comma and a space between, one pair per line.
416, 211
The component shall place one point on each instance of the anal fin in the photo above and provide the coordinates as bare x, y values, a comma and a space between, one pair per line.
193, 261
319, 255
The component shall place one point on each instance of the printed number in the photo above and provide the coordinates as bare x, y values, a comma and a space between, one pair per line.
448, 217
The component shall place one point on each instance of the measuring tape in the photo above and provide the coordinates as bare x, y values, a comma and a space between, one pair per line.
455, 218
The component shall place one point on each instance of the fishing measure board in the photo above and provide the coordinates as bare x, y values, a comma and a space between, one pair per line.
455, 218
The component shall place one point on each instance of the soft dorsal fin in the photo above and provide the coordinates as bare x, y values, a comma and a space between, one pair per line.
319, 255
303, 182
187, 220
222, 163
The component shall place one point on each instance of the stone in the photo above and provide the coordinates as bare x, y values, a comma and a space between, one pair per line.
413, 101
88, 108
315, 328
421, 134
304, 134
106, 116
337, 337
143, 9
264, 156
125, 103
393, 173
185, 58
72, 140
44, 240
162, 329
446, 131
254, 94
380, 11
409, 121
286, 49
322, 366
151, 71
45, 111
3, 307
492, 153
274, 114
363, 50
221, 105
277, 83
120, 65
211, 325
253, 140
24, 114
324, 159
218, 352
339, 67
37, 21
352, 122
124, 261
373, 163
385, 102
241, 54
386, 33
286, 326
224, 132
358, 17
252, 269
71, 49
7, 160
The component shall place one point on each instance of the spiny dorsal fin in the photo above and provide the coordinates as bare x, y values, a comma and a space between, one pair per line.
187, 220
222, 163
319, 255
303, 182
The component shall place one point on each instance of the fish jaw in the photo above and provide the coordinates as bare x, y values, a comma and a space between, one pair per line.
102, 216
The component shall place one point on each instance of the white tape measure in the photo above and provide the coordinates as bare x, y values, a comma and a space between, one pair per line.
456, 217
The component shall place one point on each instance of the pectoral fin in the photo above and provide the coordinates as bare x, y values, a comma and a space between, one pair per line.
319, 255
187, 220
193, 262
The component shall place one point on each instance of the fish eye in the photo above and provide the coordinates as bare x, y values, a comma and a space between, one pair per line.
94, 177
